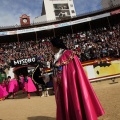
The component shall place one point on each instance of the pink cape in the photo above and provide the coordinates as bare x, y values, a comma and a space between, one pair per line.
5, 86
75, 97
3, 92
29, 86
13, 86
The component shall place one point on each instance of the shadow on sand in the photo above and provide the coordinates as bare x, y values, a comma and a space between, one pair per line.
21, 95
40, 118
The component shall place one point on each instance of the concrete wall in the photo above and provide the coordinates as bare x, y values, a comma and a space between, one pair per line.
40, 19
50, 13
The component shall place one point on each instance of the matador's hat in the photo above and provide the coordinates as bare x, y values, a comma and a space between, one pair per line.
58, 42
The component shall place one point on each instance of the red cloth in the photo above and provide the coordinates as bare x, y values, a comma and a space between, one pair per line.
75, 97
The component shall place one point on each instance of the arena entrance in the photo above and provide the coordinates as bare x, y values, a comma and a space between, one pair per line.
24, 70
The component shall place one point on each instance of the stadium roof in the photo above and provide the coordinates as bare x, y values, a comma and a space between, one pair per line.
15, 27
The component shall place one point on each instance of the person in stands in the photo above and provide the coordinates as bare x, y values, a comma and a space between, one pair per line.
75, 97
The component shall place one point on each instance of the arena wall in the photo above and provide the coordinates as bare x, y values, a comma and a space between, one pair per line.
102, 70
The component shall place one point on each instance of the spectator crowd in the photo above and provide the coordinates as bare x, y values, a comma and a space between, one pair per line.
88, 45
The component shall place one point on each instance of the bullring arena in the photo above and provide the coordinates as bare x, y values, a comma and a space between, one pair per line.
44, 108
95, 39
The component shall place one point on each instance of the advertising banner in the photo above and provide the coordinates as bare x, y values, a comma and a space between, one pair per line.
11, 32
44, 28
103, 69
26, 61
3, 33
25, 31
80, 21
115, 12
62, 25
100, 16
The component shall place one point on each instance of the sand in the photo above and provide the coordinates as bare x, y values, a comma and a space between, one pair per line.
44, 108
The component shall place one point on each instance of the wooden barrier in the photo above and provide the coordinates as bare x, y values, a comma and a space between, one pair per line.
112, 77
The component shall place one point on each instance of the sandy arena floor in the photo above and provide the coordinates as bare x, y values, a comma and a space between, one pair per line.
44, 108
